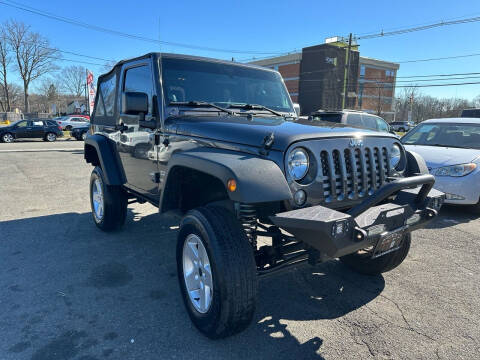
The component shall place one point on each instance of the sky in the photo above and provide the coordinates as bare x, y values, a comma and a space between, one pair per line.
266, 27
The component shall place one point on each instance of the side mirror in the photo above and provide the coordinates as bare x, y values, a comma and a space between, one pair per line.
134, 103
296, 107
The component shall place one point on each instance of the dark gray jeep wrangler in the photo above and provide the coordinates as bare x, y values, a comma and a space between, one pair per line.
220, 143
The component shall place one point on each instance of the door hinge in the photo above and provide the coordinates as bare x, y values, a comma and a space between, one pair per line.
155, 177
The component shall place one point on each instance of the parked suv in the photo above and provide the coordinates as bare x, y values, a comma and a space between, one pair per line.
219, 143
355, 118
48, 130
402, 126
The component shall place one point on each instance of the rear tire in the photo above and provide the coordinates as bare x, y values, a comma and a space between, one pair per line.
401, 130
68, 128
108, 203
232, 296
364, 264
50, 137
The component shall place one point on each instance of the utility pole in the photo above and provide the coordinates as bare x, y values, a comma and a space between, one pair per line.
87, 103
346, 72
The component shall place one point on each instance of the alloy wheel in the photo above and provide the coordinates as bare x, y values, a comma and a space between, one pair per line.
97, 199
197, 273
8, 138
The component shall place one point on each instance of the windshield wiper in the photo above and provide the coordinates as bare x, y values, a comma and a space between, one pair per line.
254, 107
200, 104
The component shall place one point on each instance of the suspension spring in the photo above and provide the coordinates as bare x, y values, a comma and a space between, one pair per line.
248, 218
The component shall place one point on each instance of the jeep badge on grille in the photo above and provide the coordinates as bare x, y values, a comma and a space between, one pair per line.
355, 143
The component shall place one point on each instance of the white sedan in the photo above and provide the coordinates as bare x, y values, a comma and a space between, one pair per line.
71, 122
451, 149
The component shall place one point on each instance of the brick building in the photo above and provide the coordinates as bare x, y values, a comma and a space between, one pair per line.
376, 86
315, 79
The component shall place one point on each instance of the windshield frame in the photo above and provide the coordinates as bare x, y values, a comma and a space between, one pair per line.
174, 110
418, 128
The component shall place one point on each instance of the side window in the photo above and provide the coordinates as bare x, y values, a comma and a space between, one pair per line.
107, 89
22, 124
38, 123
382, 125
369, 122
354, 120
139, 79
99, 107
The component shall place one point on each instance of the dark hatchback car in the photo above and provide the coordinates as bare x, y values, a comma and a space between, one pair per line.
48, 130
80, 133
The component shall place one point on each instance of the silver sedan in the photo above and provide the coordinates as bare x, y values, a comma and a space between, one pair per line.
451, 149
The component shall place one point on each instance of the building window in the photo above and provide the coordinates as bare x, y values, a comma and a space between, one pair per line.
362, 71
389, 73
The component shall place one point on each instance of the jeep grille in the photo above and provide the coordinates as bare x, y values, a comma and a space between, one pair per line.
345, 173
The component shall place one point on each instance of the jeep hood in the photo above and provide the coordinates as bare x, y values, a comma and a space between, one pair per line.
240, 130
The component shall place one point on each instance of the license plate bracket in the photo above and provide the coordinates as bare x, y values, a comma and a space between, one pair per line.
389, 242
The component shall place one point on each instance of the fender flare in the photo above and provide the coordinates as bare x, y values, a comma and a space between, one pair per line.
258, 179
415, 164
107, 156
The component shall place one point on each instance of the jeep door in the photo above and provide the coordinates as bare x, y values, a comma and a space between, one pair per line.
136, 144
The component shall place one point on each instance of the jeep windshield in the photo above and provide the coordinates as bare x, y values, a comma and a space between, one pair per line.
229, 86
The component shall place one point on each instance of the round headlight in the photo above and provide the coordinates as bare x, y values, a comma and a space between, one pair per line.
395, 155
298, 163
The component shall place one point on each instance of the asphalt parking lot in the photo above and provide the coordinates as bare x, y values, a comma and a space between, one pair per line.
69, 291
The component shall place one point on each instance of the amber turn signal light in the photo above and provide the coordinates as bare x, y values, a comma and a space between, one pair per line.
231, 185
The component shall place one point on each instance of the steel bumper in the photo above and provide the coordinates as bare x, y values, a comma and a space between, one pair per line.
400, 206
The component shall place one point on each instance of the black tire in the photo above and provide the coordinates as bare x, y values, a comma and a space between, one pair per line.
475, 209
114, 203
233, 271
364, 264
401, 130
8, 138
50, 137
68, 128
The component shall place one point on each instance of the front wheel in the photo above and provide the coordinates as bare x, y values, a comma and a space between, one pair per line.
108, 203
7, 138
362, 262
216, 272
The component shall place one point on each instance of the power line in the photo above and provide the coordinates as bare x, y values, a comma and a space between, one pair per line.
419, 28
63, 51
71, 21
423, 23
436, 75
403, 86
439, 58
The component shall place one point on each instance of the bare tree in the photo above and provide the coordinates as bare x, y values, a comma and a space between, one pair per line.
5, 61
33, 54
73, 80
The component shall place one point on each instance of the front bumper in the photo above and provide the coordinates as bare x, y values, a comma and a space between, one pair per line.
464, 190
336, 234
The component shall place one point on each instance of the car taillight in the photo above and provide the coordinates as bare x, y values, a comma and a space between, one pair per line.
59, 128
